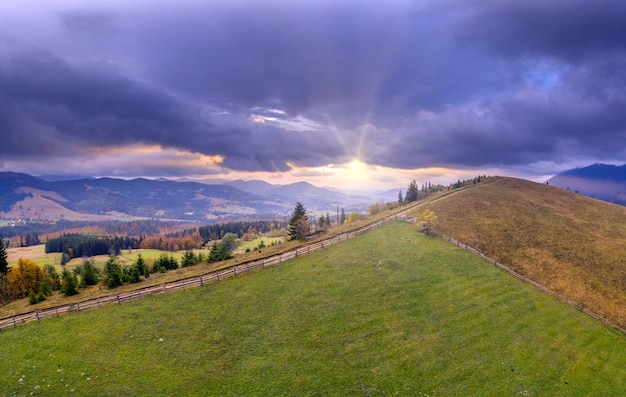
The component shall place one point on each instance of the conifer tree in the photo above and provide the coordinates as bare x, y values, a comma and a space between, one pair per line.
299, 223
4, 264
69, 284
411, 192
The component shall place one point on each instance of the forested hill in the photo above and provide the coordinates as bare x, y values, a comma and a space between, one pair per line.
25, 196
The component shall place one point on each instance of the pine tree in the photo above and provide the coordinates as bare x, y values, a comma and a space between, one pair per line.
140, 263
327, 219
400, 199
342, 219
4, 264
299, 223
411, 192
69, 284
114, 274
188, 259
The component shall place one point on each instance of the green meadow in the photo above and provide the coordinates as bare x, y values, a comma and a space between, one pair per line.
389, 313
252, 244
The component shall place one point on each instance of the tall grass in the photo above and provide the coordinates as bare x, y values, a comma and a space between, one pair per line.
391, 312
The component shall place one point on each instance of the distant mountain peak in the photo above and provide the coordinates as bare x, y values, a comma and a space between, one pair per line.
602, 181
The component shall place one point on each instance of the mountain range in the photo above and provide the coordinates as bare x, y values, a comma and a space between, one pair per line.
601, 181
52, 197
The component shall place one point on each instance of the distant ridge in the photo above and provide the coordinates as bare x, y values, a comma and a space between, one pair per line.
602, 181
59, 178
24, 196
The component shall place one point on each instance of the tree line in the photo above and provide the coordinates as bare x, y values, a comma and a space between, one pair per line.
77, 245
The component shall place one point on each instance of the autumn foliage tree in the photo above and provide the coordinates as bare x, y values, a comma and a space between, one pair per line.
25, 277
427, 220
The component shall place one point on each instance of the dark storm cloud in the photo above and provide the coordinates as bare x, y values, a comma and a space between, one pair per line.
267, 83
52, 108
571, 30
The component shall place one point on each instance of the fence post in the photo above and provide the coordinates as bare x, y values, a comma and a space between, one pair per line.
201, 284
78, 306
262, 263
14, 324
118, 299
56, 309
163, 287
98, 300
37, 314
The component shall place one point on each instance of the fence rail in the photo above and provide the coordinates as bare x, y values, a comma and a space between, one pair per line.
202, 280
512, 272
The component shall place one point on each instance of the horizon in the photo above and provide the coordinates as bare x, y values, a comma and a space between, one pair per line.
342, 94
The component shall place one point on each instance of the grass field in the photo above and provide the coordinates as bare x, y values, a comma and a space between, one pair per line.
570, 243
38, 255
35, 253
255, 243
391, 312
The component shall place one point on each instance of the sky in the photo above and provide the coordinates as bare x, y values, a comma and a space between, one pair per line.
341, 93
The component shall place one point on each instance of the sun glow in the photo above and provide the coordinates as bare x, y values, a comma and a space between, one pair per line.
356, 165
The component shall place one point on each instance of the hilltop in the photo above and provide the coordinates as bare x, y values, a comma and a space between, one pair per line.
570, 243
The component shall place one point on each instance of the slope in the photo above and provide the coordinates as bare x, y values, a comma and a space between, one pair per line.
391, 312
570, 243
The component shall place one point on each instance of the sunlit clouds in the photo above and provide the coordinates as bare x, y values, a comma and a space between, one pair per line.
290, 91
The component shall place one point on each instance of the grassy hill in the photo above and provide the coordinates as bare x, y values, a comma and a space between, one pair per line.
571, 244
391, 312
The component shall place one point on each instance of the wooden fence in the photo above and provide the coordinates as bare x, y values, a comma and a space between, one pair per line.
199, 281
529, 281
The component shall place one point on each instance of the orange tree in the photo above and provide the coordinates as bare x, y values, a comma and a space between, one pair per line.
26, 276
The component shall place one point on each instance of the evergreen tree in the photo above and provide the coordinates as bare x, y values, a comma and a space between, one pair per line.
342, 219
90, 273
140, 263
321, 222
411, 192
189, 259
114, 274
69, 284
400, 199
4, 264
299, 223
219, 252
328, 220
55, 279
134, 276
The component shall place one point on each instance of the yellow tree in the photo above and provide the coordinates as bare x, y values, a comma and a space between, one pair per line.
353, 217
26, 276
427, 220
